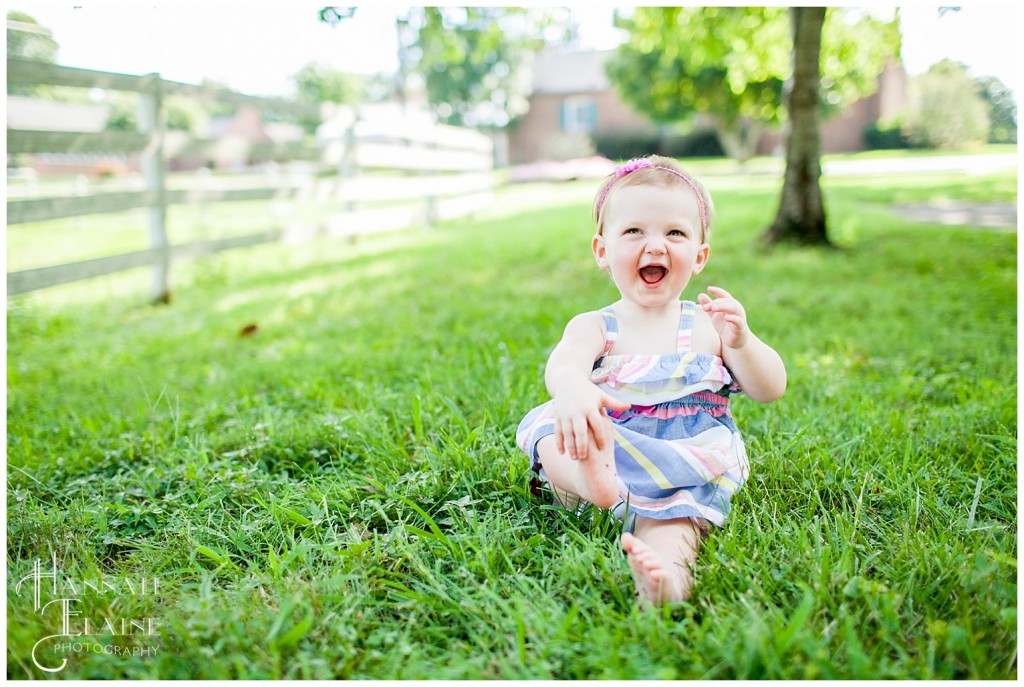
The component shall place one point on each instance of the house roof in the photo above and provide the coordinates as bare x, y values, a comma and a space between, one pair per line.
576, 72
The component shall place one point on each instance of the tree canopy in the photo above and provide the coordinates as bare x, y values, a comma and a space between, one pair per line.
1002, 110
472, 59
731, 63
318, 84
30, 45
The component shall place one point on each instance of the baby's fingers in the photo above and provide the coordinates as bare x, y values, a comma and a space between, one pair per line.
580, 430
608, 431
714, 306
599, 426
602, 426
726, 307
613, 403
565, 438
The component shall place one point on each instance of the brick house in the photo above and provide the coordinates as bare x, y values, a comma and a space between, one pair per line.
572, 99
844, 132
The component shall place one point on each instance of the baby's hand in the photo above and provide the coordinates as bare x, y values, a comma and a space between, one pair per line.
580, 419
727, 316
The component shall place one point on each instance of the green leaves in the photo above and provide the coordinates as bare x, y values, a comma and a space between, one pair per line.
730, 63
472, 60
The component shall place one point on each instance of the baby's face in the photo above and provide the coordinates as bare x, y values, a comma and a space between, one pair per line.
651, 243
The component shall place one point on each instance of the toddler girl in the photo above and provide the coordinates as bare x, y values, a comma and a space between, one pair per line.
639, 419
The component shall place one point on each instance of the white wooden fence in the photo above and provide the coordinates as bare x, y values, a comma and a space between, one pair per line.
389, 170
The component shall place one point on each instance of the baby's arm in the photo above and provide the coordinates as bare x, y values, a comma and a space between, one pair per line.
578, 403
756, 366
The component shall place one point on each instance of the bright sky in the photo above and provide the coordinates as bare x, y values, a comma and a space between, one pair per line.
254, 47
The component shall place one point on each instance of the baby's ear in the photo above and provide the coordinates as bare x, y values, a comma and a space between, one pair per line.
597, 246
600, 254
701, 259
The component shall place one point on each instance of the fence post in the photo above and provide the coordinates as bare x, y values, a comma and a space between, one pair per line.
431, 212
150, 121
348, 168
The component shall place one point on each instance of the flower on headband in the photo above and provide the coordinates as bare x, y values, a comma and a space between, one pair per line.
632, 166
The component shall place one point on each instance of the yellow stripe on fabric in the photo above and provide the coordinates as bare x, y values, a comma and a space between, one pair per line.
657, 475
685, 335
683, 362
725, 482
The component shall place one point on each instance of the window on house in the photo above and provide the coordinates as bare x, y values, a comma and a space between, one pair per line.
578, 115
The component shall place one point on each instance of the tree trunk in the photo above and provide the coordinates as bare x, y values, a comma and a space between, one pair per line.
801, 215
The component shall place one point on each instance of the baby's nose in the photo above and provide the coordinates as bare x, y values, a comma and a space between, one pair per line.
655, 245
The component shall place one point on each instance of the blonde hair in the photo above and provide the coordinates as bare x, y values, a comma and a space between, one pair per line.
654, 170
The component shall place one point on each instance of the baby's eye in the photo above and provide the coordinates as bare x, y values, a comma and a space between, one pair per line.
632, 230
677, 232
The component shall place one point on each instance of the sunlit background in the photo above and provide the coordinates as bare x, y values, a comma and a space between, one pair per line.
289, 103
256, 49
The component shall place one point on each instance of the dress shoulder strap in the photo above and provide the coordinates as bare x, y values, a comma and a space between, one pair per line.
611, 328
687, 310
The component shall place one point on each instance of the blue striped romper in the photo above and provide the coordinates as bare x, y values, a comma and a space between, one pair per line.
677, 450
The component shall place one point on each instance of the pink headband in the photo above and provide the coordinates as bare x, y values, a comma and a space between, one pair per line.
640, 163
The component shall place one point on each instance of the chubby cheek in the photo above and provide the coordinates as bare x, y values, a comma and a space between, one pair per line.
622, 266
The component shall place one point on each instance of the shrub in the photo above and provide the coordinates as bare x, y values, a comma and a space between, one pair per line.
623, 145
947, 111
698, 143
886, 135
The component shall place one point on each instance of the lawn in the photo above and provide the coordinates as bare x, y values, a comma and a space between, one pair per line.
336, 492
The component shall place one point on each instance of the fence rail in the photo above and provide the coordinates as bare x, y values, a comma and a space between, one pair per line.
386, 172
24, 72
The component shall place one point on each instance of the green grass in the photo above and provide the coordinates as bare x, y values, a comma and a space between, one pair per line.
339, 494
988, 149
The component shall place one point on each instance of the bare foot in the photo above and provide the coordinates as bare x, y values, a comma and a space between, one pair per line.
594, 480
657, 581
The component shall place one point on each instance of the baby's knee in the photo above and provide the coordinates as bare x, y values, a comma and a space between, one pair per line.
546, 446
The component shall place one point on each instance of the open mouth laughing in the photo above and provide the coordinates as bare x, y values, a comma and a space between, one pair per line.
652, 275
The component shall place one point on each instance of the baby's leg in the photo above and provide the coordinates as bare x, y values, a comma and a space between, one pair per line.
661, 554
593, 479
